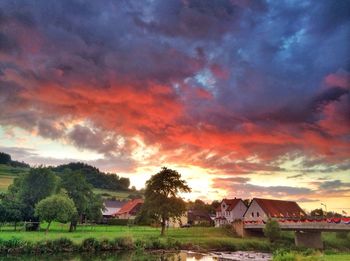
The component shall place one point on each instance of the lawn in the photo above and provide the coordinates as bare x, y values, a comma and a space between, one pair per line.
205, 237
105, 193
338, 257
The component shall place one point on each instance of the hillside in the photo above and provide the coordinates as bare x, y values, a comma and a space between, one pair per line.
108, 185
8, 173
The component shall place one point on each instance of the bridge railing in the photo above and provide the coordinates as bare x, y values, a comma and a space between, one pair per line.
344, 220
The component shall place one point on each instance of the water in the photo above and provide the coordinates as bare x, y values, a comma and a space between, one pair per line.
144, 256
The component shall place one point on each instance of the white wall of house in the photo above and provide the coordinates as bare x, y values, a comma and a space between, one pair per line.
237, 212
255, 213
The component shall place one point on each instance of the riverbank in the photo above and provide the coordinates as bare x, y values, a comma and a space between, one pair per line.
100, 238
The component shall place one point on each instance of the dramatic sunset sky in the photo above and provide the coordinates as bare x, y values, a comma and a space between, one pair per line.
244, 98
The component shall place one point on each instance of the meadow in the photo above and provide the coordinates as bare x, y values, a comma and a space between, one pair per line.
203, 237
8, 174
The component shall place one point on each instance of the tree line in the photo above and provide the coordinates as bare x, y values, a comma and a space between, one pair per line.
93, 175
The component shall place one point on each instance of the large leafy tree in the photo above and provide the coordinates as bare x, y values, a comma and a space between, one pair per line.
12, 211
58, 208
30, 188
80, 191
162, 196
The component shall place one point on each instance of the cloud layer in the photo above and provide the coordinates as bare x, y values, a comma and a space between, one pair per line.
239, 87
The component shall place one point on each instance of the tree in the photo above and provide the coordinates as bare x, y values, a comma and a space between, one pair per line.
247, 202
2, 213
93, 211
318, 212
161, 196
5, 158
30, 188
58, 208
272, 230
80, 191
12, 211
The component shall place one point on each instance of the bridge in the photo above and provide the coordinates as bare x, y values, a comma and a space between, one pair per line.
308, 233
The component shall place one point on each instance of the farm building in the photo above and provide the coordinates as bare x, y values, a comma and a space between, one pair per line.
130, 209
263, 209
111, 207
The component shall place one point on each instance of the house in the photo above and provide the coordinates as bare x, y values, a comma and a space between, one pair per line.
130, 209
196, 217
111, 207
229, 210
178, 222
263, 209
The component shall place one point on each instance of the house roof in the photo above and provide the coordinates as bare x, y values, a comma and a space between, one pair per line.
111, 207
194, 214
280, 208
231, 203
129, 206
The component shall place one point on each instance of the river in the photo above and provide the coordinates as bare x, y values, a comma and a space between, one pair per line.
144, 256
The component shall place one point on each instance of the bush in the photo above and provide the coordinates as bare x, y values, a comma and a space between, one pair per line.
90, 244
126, 243
117, 222
342, 234
272, 230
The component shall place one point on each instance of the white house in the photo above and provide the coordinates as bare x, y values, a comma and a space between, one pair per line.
229, 210
263, 209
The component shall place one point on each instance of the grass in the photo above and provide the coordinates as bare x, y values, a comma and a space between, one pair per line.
201, 237
314, 256
8, 174
122, 195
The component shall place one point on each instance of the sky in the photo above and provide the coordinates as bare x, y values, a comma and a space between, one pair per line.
244, 98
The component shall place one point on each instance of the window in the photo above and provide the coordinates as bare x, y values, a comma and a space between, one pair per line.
252, 214
257, 214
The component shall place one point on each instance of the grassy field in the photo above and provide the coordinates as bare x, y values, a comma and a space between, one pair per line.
203, 237
121, 195
194, 238
7, 174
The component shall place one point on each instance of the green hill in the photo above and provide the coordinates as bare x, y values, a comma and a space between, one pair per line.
108, 185
8, 174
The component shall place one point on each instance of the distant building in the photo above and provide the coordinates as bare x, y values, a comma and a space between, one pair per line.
229, 210
130, 209
196, 217
178, 222
263, 209
111, 207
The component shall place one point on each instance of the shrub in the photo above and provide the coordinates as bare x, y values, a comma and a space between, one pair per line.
64, 244
342, 234
106, 245
272, 230
126, 243
117, 222
90, 244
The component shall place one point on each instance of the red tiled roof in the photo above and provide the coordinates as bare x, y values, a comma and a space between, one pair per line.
280, 208
128, 207
231, 203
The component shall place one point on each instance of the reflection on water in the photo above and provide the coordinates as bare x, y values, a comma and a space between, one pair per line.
142, 256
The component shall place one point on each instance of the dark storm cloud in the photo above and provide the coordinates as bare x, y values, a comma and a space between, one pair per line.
198, 19
242, 188
237, 78
334, 185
